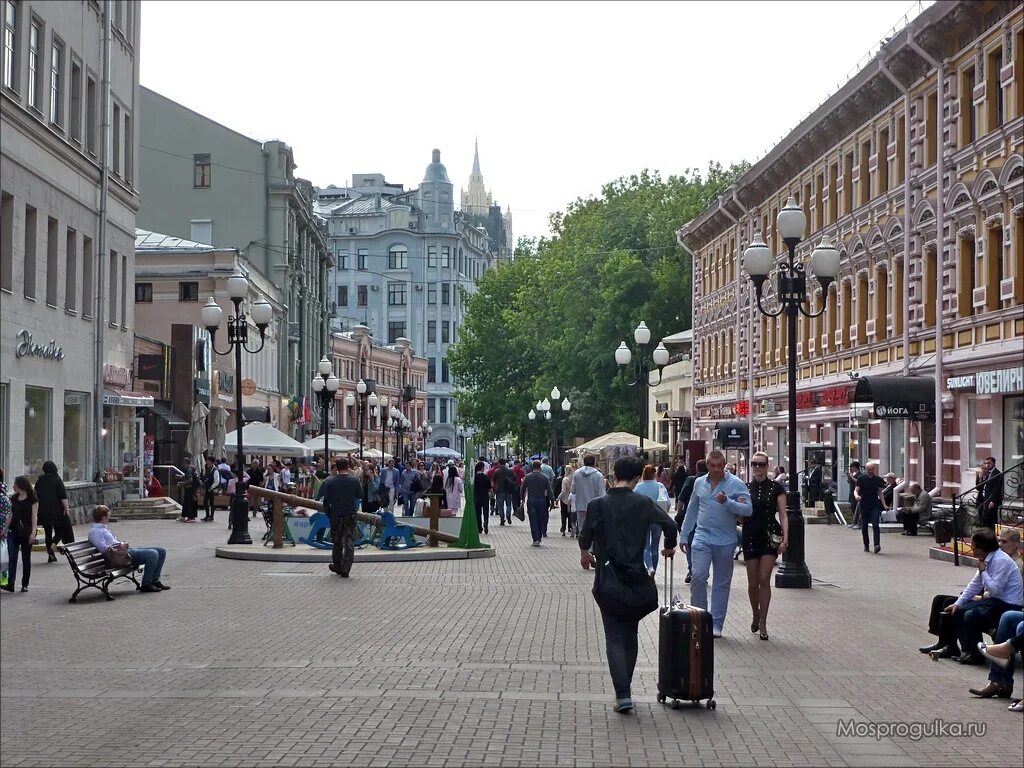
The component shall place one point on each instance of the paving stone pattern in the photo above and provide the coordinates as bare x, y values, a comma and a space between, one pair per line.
471, 662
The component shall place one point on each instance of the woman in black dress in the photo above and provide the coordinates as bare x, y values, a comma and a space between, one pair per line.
481, 496
769, 500
53, 509
22, 533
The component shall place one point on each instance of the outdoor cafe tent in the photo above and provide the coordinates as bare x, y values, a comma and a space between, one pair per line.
335, 443
263, 439
440, 453
373, 453
616, 440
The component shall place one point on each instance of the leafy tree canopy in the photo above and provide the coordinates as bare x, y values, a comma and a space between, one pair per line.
555, 313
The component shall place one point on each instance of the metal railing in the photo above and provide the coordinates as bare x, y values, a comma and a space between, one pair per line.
1010, 512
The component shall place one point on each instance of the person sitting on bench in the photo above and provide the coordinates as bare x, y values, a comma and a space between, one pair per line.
152, 558
921, 511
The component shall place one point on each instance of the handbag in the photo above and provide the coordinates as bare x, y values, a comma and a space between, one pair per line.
117, 558
520, 512
775, 534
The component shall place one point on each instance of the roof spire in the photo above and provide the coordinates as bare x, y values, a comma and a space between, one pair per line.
476, 157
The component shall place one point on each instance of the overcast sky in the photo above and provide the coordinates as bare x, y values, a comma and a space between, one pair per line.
563, 96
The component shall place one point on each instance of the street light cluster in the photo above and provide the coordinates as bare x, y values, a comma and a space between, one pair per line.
543, 410
642, 369
238, 338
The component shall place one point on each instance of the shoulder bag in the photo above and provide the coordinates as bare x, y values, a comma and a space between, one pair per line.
117, 558
624, 590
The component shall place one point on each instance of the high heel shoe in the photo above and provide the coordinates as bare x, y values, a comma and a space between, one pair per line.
755, 624
764, 635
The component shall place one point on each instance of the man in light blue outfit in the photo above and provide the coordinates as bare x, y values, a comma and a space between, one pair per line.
718, 500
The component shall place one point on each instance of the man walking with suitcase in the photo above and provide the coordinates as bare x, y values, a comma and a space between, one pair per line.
616, 526
719, 499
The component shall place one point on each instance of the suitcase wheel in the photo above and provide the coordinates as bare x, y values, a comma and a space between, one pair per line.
661, 698
712, 704
675, 704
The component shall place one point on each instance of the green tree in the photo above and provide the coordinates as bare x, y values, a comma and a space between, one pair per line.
555, 314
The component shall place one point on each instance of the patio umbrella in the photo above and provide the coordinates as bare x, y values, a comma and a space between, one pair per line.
197, 443
266, 440
219, 424
373, 453
440, 453
616, 440
336, 444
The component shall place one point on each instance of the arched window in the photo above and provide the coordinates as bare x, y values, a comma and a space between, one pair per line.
398, 257
442, 442
881, 301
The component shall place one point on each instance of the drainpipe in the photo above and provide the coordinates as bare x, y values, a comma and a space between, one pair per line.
101, 235
750, 337
940, 245
906, 251
736, 292
693, 288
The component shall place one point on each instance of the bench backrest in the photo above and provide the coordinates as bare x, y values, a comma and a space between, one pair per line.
84, 557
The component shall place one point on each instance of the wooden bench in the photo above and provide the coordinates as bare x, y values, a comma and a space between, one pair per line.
91, 569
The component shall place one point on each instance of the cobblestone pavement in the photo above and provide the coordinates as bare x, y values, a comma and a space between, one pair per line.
481, 662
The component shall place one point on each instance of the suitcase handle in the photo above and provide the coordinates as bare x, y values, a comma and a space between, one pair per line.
670, 580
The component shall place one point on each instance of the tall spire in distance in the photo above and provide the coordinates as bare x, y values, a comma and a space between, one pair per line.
476, 157
476, 199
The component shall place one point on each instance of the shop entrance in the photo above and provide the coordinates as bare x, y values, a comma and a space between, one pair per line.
853, 446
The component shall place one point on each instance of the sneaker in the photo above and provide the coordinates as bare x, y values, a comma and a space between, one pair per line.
877, 549
1017, 706
716, 632
536, 543
623, 706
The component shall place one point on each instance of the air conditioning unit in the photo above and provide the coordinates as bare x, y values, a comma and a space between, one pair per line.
374, 287
352, 230
419, 287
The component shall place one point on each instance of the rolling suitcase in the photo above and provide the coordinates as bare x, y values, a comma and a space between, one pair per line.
686, 657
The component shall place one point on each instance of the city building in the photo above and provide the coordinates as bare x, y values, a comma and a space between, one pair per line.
670, 402
402, 261
68, 202
173, 280
398, 378
915, 169
480, 209
205, 182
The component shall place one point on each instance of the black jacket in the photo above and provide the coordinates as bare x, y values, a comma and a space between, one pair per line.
621, 519
992, 490
341, 495
50, 492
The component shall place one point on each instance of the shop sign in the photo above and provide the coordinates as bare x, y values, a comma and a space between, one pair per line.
914, 411
116, 376
989, 382
835, 396
767, 406
804, 400
27, 348
202, 390
998, 382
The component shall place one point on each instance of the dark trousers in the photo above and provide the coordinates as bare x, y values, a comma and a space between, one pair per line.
544, 520
621, 646
16, 544
987, 517
480, 506
941, 624
566, 523
537, 510
871, 517
909, 522
343, 534
58, 531
977, 617
188, 505
208, 503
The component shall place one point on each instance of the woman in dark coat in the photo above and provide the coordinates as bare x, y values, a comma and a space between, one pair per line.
53, 509
22, 532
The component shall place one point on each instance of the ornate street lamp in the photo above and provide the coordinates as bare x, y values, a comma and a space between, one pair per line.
642, 370
425, 430
325, 387
361, 399
792, 297
238, 338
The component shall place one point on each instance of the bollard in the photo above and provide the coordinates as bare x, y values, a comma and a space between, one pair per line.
434, 512
278, 523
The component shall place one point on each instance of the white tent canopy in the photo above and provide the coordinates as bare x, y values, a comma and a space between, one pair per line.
260, 438
373, 453
614, 440
335, 443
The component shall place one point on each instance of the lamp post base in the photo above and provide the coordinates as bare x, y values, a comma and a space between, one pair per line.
793, 572
239, 521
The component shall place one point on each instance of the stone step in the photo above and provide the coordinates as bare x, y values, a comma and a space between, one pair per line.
161, 508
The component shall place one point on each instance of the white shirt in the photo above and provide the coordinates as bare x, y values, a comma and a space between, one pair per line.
286, 476
102, 537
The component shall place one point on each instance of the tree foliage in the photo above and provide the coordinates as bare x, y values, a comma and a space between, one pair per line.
555, 313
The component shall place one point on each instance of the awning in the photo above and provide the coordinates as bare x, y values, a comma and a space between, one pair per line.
674, 415
170, 418
898, 397
127, 399
251, 413
731, 434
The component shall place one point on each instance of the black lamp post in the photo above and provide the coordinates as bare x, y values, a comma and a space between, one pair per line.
642, 370
325, 387
238, 338
792, 298
361, 399
399, 425
425, 430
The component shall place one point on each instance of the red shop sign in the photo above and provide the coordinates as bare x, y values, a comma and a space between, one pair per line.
835, 396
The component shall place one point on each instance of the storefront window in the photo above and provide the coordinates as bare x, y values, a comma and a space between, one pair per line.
897, 430
76, 420
37, 429
1013, 431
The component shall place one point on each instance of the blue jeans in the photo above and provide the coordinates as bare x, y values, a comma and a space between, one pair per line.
706, 556
18, 545
651, 548
153, 560
504, 502
1010, 624
537, 510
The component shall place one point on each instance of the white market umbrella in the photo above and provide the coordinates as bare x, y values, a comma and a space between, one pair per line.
263, 439
335, 444
440, 453
617, 440
197, 442
219, 427
373, 453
